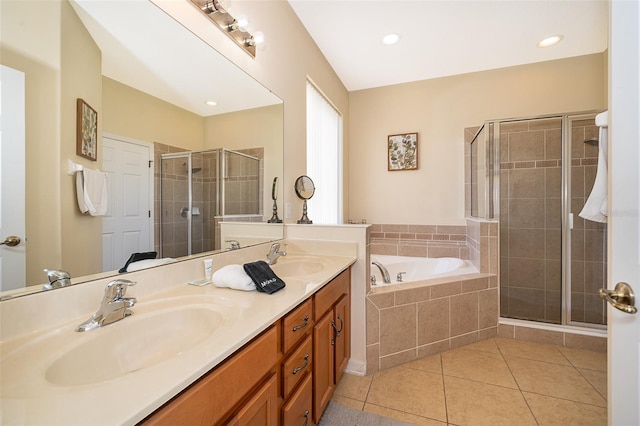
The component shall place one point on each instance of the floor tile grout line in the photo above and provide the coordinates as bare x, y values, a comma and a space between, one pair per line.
592, 385
444, 391
567, 399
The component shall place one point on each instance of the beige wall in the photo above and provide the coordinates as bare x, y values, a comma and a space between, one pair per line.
254, 128
133, 114
439, 110
80, 77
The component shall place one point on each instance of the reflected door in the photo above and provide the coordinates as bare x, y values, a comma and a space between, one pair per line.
12, 211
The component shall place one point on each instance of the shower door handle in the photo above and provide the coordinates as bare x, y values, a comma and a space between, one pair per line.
621, 297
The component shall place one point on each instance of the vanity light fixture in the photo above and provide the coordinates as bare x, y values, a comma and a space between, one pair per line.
218, 12
550, 41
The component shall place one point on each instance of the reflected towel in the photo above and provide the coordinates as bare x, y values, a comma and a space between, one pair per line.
596, 208
233, 276
91, 190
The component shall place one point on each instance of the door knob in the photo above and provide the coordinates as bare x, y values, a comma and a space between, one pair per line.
621, 297
11, 241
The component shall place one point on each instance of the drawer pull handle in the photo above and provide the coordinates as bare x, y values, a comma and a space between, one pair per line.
333, 324
303, 325
303, 366
306, 418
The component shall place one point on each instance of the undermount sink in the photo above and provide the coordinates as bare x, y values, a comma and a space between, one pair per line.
133, 344
297, 267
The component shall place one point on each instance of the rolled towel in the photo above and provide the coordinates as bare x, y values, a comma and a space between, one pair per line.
263, 276
233, 276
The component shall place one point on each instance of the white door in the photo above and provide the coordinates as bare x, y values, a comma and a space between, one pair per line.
127, 226
12, 143
624, 209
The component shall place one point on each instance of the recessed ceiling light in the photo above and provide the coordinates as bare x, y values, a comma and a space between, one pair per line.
211, 103
550, 41
390, 39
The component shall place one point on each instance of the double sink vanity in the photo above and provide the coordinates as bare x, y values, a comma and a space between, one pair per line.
188, 354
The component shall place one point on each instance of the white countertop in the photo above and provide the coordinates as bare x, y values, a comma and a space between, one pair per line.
29, 397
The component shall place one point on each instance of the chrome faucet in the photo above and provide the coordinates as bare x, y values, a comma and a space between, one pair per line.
275, 253
385, 274
114, 306
234, 245
57, 279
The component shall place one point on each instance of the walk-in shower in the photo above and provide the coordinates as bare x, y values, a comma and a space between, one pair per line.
198, 190
534, 176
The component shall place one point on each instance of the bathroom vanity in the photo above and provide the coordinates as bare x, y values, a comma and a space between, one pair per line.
188, 354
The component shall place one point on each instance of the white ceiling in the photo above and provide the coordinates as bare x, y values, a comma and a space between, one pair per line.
145, 48
450, 37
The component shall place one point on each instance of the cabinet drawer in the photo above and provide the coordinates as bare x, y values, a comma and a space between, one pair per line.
297, 411
331, 293
296, 325
296, 366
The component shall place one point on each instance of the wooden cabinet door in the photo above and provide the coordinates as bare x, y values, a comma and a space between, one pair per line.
323, 365
262, 408
342, 338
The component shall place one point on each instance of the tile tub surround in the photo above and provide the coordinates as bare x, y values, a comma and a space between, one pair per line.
419, 240
408, 322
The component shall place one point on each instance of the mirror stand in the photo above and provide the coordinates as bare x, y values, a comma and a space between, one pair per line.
305, 219
274, 217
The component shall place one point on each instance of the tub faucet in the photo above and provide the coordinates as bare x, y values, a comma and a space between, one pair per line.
114, 306
275, 253
385, 274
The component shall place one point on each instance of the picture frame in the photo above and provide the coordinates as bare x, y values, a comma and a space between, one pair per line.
402, 151
86, 131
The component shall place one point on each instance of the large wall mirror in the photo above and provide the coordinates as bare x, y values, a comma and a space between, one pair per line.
209, 168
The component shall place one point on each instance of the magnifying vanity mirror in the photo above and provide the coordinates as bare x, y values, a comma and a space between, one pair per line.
149, 90
274, 197
304, 190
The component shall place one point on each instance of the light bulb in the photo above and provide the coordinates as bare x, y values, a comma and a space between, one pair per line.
258, 37
243, 22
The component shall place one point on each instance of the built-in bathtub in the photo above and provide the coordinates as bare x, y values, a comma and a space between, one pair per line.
441, 304
414, 269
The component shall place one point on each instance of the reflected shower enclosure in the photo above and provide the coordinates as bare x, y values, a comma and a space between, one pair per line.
198, 190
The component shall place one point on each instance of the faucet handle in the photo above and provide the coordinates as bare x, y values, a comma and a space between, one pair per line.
117, 288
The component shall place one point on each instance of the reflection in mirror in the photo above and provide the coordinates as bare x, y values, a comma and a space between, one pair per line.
149, 89
274, 197
304, 190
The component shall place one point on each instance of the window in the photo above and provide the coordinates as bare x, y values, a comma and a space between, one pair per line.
324, 158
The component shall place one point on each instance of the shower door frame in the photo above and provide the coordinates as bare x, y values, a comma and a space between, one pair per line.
493, 148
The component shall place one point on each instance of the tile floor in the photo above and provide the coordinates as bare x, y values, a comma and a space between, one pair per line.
492, 382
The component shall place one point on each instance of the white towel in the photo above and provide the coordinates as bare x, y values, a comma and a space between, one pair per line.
596, 208
233, 276
91, 189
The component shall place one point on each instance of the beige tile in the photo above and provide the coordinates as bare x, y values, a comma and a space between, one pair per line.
474, 403
348, 402
433, 321
553, 380
598, 380
592, 343
398, 358
590, 360
553, 411
464, 313
401, 416
478, 366
373, 358
432, 364
539, 336
354, 387
373, 323
412, 391
397, 329
530, 350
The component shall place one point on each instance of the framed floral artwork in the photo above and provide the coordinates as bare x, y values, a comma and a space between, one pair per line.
402, 152
86, 131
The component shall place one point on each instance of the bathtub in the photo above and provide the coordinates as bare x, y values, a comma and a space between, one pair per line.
419, 268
